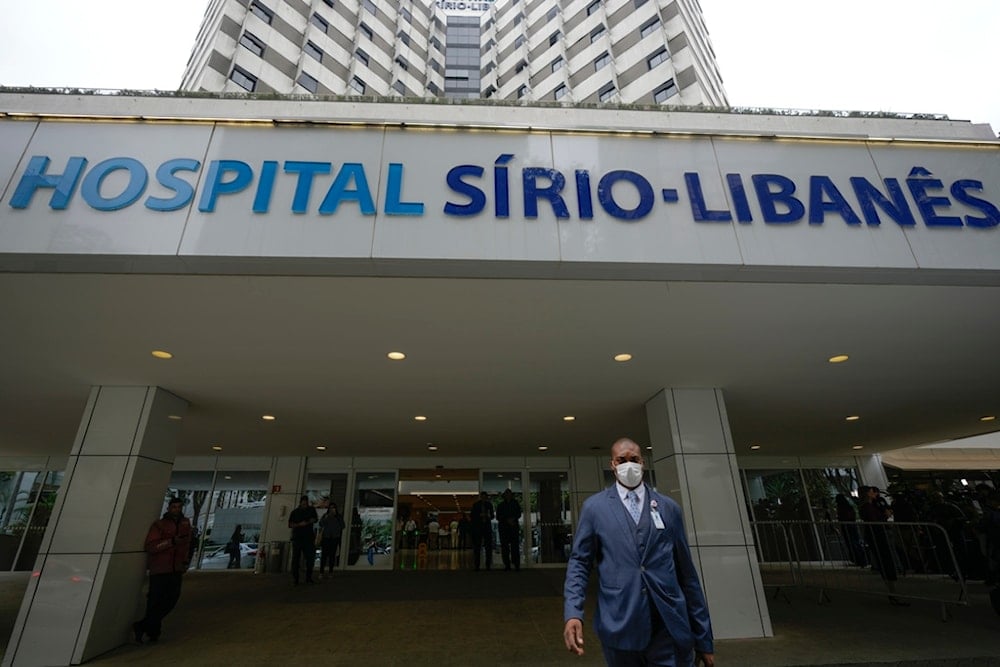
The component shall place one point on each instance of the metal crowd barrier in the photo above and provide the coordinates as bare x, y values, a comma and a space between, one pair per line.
914, 561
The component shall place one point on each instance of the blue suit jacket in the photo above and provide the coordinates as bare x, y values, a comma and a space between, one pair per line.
633, 578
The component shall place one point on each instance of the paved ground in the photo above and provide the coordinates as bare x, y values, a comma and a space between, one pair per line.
417, 619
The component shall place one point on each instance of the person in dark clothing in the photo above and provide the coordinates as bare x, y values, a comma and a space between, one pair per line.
233, 547
848, 516
464, 528
168, 552
874, 514
508, 513
482, 530
301, 522
332, 529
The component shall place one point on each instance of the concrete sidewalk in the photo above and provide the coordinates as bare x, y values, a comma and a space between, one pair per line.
417, 619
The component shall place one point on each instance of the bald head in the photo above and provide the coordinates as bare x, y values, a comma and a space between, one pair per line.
625, 449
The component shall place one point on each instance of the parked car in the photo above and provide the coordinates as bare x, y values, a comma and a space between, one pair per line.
218, 559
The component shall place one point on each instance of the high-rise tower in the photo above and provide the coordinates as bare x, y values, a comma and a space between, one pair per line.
570, 51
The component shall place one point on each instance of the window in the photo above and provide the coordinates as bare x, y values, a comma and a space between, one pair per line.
490, 89
366, 31
602, 60
520, 66
319, 22
639, 3
596, 33
518, 18
399, 87
308, 82
558, 63
404, 38
519, 41
665, 92
361, 55
406, 14
436, 43
401, 61
607, 92
660, 56
553, 38
243, 79
370, 6
649, 28
314, 51
593, 7
262, 12
328, 3
551, 14
358, 86
433, 87
522, 91
560, 92
252, 43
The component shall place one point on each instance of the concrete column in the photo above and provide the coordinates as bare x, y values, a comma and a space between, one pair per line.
288, 473
695, 464
86, 587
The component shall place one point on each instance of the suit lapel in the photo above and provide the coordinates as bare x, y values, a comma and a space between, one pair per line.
618, 511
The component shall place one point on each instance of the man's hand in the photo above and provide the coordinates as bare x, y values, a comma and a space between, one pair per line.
573, 636
707, 659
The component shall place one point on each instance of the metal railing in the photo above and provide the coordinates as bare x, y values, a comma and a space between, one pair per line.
904, 560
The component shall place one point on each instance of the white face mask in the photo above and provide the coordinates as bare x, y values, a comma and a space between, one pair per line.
629, 474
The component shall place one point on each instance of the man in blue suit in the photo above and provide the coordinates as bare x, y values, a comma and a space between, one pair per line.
650, 606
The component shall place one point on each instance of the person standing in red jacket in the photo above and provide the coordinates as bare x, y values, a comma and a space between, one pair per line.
168, 549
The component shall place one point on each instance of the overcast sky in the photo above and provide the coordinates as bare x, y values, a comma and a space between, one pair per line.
924, 56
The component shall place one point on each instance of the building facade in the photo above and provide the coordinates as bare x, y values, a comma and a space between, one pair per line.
565, 51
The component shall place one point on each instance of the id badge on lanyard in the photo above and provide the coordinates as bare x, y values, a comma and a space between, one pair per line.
655, 515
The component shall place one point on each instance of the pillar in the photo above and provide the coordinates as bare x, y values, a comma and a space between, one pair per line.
695, 464
86, 587
288, 479
871, 471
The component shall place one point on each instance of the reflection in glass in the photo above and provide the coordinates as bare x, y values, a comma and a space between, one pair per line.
216, 507
26, 502
371, 528
551, 517
495, 483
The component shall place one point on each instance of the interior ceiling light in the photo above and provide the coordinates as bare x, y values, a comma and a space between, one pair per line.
268, 418
176, 418
432, 448
321, 448
162, 354
542, 448
228, 477
649, 447
838, 359
987, 418
217, 448
569, 418
858, 447
420, 418
754, 447
396, 356
852, 418
625, 356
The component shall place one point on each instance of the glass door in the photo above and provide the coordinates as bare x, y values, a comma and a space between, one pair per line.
550, 516
370, 522
507, 528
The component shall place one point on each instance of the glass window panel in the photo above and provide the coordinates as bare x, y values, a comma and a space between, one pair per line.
371, 532
550, 516
495, 483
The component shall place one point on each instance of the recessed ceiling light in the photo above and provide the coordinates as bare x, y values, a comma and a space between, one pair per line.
852, 418
396, 356
321, 448
569, 418
162, 354
228, 477
217, 448
432, 448
542, 448
268, 418
987, 418
176, 418
858, 447
649, 447
838, 359
624, 356
754, 447
420, 418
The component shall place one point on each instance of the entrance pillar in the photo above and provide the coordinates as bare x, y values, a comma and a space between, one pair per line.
85, 590
695, 464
